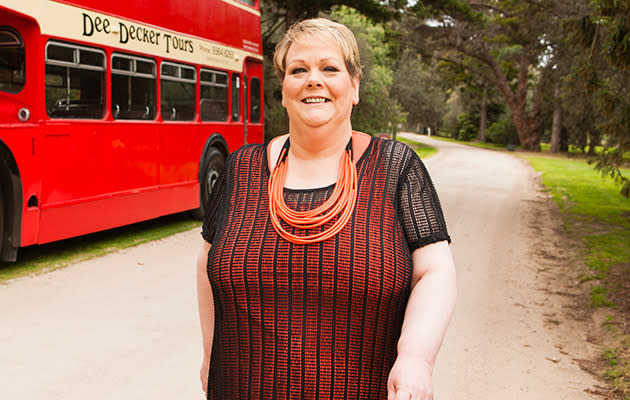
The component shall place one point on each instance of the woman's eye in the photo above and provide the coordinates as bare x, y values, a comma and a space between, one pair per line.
331, 69
298, 70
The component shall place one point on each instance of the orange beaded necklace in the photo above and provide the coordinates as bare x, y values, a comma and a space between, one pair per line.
340, 203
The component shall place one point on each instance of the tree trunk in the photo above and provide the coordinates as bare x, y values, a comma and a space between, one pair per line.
484, 114
594, 140
556, 129
527, 125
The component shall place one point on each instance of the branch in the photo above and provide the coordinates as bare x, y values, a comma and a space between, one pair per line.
279, 22
475, 71
490, 7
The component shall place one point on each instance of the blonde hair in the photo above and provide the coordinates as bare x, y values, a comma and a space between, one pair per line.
320, 28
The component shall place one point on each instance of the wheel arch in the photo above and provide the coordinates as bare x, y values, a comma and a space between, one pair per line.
217, 141
11, 184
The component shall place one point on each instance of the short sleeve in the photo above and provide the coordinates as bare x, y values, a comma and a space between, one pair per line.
420, 210
212, 208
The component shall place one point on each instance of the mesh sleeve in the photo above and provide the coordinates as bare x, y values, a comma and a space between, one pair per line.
212, 208
420, 211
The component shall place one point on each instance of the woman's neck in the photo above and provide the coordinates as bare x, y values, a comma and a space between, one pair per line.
314, 155
321, 143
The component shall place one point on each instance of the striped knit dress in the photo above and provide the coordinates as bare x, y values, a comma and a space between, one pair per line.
317, 321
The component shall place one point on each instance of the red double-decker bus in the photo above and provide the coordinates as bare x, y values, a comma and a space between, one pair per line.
118, 111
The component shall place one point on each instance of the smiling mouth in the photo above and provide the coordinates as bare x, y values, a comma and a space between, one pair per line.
315, 100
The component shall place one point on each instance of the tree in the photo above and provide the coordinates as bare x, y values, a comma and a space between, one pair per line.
605, 36
278, 15
420, 91
503, 43
377, 110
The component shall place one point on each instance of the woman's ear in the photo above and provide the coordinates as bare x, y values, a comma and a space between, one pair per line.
282, 94
355, 87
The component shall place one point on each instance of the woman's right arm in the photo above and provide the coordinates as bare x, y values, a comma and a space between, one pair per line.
206, 312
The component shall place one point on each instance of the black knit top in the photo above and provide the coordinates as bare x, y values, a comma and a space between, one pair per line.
317, 321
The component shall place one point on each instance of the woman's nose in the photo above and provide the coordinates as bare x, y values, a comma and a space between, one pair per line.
314, 83
314, 80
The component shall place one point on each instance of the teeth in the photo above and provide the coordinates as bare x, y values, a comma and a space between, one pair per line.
315, 100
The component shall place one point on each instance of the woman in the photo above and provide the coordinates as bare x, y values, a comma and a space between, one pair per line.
349, 301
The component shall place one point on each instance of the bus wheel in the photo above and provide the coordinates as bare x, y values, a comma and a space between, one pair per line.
212, 169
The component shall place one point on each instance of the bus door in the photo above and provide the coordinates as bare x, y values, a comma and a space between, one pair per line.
253, 101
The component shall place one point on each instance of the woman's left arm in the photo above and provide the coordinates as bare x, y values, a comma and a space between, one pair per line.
429, 310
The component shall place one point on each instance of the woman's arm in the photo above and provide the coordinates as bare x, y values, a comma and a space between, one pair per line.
429, 310
206, 312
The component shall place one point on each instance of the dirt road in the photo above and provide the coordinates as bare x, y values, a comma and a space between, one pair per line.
124, 326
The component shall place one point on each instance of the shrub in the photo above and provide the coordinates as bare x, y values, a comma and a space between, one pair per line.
502, 132
467, 127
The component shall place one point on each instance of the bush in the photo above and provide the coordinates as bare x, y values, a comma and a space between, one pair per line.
502, 132
467, 127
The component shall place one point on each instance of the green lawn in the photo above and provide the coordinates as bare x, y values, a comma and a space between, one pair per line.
594, 212
421, 149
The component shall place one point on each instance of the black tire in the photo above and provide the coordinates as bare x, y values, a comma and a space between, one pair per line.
212, 169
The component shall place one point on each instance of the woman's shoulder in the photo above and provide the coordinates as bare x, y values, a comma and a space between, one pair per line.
246, 152
394, 153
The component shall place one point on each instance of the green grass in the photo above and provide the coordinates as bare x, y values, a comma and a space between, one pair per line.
582, 191
592, 209
421, 149
48, 257
594, 212
617, 371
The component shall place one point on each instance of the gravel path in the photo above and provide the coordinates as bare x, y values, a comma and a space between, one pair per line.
125, 326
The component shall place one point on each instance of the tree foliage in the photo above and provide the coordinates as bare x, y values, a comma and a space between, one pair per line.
506, 44
377, 110
605, 37
525, 70
419, 88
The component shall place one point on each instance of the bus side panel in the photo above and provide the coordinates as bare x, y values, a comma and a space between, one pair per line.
99, 175
216, 20
180, 151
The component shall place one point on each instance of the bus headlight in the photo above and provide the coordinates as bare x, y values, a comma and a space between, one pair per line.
24, 114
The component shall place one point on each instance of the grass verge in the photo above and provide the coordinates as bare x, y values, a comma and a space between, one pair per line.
595, 213
421, 149
48, 257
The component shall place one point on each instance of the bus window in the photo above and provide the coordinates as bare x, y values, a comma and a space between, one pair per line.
133, 87
75, 80
12, 65
214, 95
177, 101
254, 99
236, 97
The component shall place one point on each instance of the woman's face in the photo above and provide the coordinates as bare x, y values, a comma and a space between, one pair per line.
317, 89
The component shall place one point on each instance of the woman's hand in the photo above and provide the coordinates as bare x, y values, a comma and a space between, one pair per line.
206, 313
203, 373
428, 312
410, 379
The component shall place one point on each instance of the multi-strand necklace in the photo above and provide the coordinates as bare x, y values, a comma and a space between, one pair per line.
340, 203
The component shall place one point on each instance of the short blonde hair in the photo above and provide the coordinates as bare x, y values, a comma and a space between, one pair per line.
323, 29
